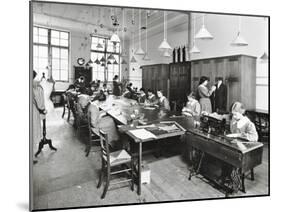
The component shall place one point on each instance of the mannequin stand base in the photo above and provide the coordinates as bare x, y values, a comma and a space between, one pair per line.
44, 141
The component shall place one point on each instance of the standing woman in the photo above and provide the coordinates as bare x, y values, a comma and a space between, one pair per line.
116, 86
204, 94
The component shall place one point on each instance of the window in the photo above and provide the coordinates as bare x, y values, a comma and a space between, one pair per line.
262, 87
103, 48
51, 47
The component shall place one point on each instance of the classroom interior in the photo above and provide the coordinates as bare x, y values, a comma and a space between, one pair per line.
166, 151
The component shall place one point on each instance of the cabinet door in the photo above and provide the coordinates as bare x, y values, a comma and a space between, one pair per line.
173, 82
196, 68
233, 81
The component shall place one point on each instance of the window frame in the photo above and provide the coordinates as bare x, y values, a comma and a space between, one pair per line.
106, 53
50, 46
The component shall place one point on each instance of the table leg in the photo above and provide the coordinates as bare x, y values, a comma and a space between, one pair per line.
139, 168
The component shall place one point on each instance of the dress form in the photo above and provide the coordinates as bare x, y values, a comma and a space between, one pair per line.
48, 88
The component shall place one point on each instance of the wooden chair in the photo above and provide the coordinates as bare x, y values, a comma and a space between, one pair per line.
93, 136
114, 159
81, 118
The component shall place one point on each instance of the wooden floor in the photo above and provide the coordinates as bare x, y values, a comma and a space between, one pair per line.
67, 178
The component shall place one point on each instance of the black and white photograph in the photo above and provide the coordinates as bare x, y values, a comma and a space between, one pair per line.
139, 105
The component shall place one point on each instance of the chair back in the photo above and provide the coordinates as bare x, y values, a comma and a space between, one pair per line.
104, 146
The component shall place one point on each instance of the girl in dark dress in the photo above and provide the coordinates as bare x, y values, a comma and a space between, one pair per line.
116, 86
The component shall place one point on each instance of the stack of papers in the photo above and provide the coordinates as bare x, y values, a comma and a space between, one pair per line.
170, 128
142, 134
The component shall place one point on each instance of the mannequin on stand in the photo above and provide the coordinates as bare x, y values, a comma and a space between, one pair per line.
41, 104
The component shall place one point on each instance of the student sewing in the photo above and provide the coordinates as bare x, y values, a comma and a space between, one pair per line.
240, 125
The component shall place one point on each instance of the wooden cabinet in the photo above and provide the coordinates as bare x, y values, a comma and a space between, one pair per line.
156, 77
180, 81
83, 71
238, 72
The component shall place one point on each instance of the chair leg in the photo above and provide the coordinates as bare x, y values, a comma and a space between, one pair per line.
252, 175
107, 182
101, 175
132, 175
63, 111
68, 115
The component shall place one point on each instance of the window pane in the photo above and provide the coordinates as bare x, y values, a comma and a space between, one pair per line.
55, 52
35, 63
43, 39
43, 51
63, 42
262, 81
43, 63
262, 97
35, 31
35, 50
64, 35
35, 39
55, 64
55, 41
55, 74
55, 34
64, 75
64, 64
64, 53
43, 32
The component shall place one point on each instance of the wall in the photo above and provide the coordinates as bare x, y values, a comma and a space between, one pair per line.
224, 28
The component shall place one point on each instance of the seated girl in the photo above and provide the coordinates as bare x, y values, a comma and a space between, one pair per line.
163, 101
100, 121
240, 125
192, 107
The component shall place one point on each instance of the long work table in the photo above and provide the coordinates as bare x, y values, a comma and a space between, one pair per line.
145, 124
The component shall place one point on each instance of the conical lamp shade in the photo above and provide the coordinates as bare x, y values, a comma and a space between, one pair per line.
108, 62
264, 56
166, 54
99, 46
115, 38
239, 41
123, 54
146, 57
97, 61
115, 62
90, 62
204, 34
102, 64
111, 57
164, 45
140, 51
102, 59
194, 49
123, 61
133, 59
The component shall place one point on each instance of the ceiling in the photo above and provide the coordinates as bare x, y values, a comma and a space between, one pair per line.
98, 19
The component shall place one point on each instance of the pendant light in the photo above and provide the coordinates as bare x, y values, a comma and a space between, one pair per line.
264, 57
99, 46
239, 40
194, 49
97, 61
114, 37
111, 57
102, 59
115, 62
133, 59
139, 50
165, 45
90, 62
108, 62
146, 51
123, 61
203, 33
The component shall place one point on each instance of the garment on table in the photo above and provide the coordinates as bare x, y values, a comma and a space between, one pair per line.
38, 105
47, 88
116, 88
219, 98
128, 95
164, 103
204, 98
104, 123
245, 127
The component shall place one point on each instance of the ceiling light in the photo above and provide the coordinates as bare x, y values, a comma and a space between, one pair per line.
165, 45
194, 48
102, 59
133, 59
123, 61
264, 56
166, 53
108, 62
146, 57
115, 62
203, 33
97, 61
99, 46
239, 40
115, 38
111, 57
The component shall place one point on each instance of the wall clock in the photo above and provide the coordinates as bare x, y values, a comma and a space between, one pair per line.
80, 61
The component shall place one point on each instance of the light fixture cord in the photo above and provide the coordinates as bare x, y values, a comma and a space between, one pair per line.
140, 28
239, 24
203, 19
123, 24
146, 33
194, 20
165, 25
